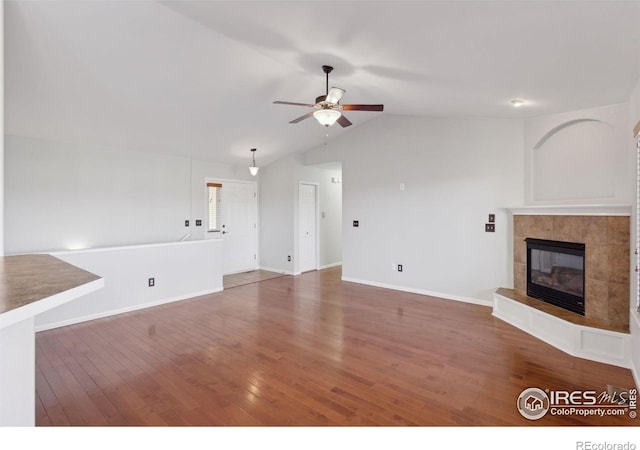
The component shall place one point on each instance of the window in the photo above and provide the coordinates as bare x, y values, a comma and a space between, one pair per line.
213, 194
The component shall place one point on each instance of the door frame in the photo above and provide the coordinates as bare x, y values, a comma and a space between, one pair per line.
256, 235
298, 269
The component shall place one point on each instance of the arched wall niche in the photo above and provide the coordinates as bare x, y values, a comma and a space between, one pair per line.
573, 161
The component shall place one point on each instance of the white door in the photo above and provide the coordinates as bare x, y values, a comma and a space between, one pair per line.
308, 227
238, 218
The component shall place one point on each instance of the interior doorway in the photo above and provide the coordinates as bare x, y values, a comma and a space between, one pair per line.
237, 209
308, 226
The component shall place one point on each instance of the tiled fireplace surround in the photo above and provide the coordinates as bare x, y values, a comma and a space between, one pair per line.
602, 334
607, 262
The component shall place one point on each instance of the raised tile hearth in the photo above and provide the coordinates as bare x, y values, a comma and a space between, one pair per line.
607, 260
602, 334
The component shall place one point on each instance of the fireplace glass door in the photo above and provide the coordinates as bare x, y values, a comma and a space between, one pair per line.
555, 273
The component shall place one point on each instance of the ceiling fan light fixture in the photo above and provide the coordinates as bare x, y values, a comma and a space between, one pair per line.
327, 117
328, 109
334, 95
253, 169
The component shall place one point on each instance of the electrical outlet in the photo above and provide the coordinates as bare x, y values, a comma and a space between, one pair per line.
490, 227
356, 223
399, 267
152, 282
198, 222
492, 218
289, 258
186, 223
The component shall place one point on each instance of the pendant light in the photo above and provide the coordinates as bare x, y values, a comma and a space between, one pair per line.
253, 168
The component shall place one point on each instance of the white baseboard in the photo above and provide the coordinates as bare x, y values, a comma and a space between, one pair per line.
288, 272
271, 269
251, 269
113, 312
329, 266
457, 298
604, 346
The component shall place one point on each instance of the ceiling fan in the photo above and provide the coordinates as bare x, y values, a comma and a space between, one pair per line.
328, 109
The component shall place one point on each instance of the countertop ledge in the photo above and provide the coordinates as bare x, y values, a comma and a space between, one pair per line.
31, 284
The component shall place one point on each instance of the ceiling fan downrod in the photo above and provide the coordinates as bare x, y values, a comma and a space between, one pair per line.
327, 70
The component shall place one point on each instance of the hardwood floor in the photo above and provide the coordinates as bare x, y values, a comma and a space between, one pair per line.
306, 350
253, 276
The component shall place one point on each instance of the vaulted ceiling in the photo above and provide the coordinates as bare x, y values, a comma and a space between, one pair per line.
198, 78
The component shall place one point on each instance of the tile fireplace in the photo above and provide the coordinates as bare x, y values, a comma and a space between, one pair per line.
606, 260
581, 251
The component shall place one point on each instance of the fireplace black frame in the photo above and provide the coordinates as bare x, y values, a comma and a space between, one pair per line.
570, 302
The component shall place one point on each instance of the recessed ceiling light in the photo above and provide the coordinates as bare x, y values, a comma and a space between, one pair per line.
517, 103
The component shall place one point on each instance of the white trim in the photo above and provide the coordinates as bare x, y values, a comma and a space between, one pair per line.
21, 313
635, 220
572, 210
241, 271
604, 346
123, 247
271, 269
317, 233
634, 329
328, 266
441, 295
114, 312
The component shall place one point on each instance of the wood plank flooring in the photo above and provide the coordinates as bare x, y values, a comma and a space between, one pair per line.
306, 351
253, 276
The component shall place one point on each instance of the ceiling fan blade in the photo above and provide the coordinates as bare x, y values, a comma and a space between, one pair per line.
278, 102
362, 107
334, 95
343, 121
301, 118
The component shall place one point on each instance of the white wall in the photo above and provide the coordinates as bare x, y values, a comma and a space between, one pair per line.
276, 203
455, 173
17, 374
181, 270
279, 184
61, 196
200, 171
579, 157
